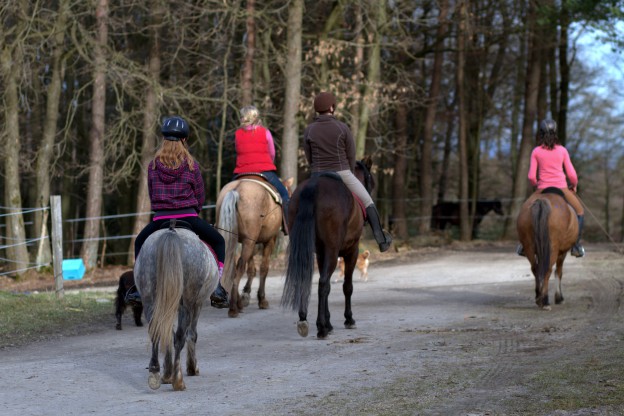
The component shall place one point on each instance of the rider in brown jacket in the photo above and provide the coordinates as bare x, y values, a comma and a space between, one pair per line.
329, 147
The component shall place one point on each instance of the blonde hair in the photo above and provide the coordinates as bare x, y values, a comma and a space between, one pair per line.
250, 116
172, 154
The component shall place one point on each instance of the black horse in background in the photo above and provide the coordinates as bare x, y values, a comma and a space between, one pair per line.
446, 212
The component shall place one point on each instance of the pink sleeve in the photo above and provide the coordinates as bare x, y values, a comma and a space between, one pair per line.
569, 169
533, 169
270, 143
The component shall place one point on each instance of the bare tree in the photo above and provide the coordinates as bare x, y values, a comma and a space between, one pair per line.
150, 121
248, 66
290, 141
96, 136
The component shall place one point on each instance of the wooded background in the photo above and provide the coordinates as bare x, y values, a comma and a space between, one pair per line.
446, 96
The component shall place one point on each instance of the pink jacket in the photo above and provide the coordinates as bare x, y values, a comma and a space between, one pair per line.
550, 165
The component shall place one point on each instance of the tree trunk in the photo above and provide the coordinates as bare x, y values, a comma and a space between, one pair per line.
248, 65
150, 124
369, 102
17, 252
426, 166
323, 45
464, 219
358, 66
50, 126
96, 137
526, 144
399, 185
564, 71
292, 95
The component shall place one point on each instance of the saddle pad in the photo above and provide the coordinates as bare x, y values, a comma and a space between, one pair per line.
268, 187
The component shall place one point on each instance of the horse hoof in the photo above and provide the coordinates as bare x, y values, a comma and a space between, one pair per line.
245, 299
302, 328
192, 371
154, 381
351, 326
118, 327
320, 336
232, 314
263, 304
179, 386
546, 308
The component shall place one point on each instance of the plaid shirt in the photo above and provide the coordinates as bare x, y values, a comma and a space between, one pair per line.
175, 188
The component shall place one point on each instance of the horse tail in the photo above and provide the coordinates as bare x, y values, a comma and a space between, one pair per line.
301, 249
169, 288
228, 223
540, 211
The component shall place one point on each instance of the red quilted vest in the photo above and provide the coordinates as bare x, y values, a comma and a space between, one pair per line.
252, 151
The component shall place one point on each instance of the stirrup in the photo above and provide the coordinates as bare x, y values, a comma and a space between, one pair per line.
385, 245
578, 250
219, 298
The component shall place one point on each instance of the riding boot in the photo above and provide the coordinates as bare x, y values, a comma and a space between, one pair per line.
578, 250
285, 218
382, 237
520, 250
219, 298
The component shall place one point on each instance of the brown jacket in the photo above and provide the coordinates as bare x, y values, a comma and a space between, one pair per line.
329, 145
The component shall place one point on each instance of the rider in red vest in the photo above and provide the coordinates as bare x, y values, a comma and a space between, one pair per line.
329, 147
255, 153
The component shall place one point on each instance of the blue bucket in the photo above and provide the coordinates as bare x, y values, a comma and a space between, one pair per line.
73, 269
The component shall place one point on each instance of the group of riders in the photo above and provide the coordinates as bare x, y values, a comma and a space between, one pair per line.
176, 187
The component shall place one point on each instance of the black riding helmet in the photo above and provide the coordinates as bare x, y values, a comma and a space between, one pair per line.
175, 128
548, 126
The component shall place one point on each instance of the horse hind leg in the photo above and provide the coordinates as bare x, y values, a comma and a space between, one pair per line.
154, 380
192, 369
251, 274
179, 341
347, 288
263, 303
559, 274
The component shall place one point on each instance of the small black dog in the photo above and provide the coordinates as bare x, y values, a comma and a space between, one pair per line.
128, 295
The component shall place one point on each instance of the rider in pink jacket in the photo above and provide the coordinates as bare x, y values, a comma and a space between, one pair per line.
550, 165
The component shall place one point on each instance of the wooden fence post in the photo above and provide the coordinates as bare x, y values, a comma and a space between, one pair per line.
57, 244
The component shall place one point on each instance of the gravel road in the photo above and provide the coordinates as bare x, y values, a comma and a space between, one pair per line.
455, 332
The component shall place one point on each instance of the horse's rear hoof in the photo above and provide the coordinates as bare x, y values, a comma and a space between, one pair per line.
154, 381
546, 308
350, 325
245, 299
232, 314
302, 328
263, 304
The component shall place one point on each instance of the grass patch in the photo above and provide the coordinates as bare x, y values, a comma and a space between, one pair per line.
26, 318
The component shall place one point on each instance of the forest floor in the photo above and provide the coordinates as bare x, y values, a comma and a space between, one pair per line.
440, 331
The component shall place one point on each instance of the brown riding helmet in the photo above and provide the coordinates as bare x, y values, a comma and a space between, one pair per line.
324, 101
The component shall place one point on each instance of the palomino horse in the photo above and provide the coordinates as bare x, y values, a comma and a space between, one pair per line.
174, 272
248, 213
324, 217
547, 229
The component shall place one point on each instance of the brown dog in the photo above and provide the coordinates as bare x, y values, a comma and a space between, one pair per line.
362, 263
128, 295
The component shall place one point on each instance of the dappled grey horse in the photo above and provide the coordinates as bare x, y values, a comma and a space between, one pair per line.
174, 272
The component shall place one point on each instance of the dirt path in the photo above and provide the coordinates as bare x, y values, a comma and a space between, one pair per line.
454, 333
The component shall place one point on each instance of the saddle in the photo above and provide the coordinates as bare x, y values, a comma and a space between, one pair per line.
176, 223
262, 181
335, 176
556, 191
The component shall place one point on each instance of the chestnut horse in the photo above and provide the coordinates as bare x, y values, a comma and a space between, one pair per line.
326, 219
248, 213
547, 228
174, 272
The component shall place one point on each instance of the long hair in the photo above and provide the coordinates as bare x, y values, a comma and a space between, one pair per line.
172, 154
250, 116
547, 139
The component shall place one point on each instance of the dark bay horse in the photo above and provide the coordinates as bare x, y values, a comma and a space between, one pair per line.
326, 219
547, 228
248, 213
447, 213
174, 272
